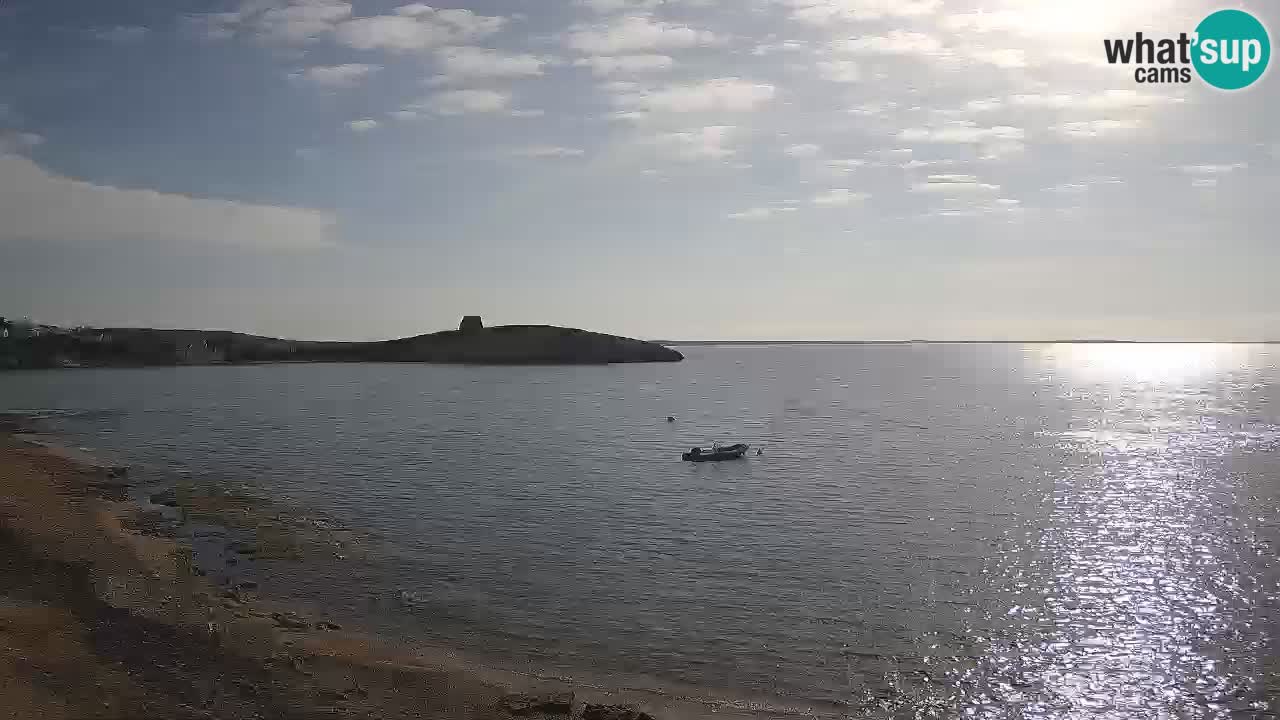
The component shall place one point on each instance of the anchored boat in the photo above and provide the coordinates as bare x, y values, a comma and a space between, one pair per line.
715, 453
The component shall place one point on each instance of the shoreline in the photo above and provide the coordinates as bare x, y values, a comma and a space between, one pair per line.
86, 563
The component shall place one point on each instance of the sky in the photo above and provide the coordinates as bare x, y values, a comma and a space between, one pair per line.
675, 169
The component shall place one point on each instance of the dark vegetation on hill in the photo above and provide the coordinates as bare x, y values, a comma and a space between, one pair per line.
28, 346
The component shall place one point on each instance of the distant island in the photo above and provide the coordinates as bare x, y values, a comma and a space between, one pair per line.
27, 345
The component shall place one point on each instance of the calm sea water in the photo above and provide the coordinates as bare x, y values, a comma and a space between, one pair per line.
1060, 531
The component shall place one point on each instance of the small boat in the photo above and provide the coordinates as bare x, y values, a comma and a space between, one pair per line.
727, 452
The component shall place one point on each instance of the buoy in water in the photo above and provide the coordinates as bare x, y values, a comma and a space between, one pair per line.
670, 419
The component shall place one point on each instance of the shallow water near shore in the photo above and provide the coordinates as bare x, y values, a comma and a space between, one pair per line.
1059, 531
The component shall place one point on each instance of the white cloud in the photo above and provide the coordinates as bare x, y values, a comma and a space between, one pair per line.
41, 206
621, 86
757, 213
962, 131
14, 142
364, 125
282, 21
416, 27
802, 150
874, 109
1213, 169
896, 42
1000, 148
709, 142
954, 184
1002, 58
1069, 188
464, 64
610, 6
122, 34
404, 115
549, 151
336, 76
607, 65
632, 33
843, 71
721, 94
846, 165
913, 163
1096, 128
983, 21
822, 12
1109, 100
983, 105
839, 197
527, 113
461, 102
769, 48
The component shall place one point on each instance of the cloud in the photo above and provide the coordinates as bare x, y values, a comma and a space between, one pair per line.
278, 21
607, 65
122, 34
336, 76
961, 131
416, 27
822, 12
874, 109
802, 150
703, 143
845, 165
461, 102
464, 64
843, 71
611, 6
364, 125
769, 48
839, 197
721, 94
633, 33
1213, 169
1109, 100
896, 42
1096, 128
16, 142
954, 184
527, 113
38, 205
405, 115
760, 213
1002, 58
549, 151
983, 21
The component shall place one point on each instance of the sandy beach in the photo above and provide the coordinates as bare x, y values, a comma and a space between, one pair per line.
105, 613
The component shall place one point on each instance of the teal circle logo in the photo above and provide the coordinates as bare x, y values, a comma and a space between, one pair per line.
1231, 50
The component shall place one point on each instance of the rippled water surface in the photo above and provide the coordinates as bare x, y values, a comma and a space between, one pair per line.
1060, 531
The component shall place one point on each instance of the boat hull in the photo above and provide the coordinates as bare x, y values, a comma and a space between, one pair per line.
733, 452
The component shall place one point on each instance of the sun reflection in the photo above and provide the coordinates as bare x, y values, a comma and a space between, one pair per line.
1148, 362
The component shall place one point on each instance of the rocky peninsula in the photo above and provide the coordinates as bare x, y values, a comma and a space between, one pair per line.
35, 346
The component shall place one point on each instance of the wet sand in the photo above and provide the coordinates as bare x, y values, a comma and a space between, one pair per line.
106, 612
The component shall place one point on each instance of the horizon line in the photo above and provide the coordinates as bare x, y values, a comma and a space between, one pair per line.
1065, 341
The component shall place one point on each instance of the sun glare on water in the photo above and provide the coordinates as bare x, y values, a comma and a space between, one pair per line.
1148, 363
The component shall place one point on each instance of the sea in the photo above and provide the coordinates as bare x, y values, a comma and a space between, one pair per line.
1071, 530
